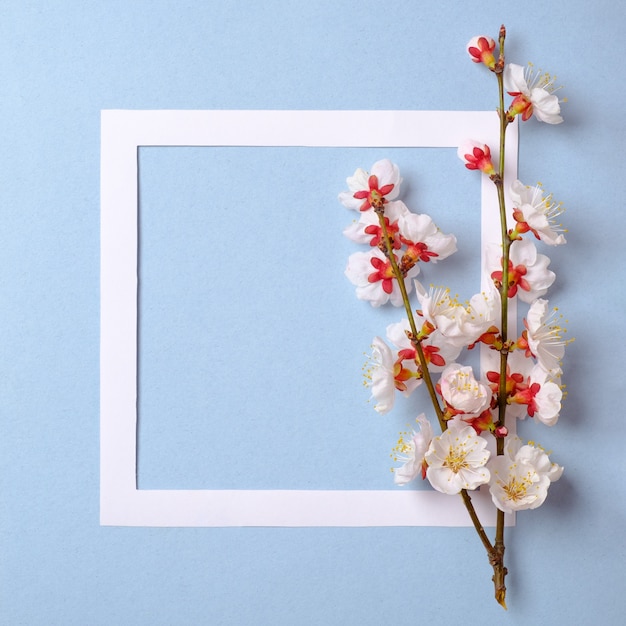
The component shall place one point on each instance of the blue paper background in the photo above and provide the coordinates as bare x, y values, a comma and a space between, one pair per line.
61, 63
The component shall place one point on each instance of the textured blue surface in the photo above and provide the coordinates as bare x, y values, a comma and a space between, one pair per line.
244, 305
60, 64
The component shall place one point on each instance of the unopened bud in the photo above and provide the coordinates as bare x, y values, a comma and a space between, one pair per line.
501, 432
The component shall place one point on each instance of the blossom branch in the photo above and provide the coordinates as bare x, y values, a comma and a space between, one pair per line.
506, 241
528, 373
496, 557
397, 272
467, 501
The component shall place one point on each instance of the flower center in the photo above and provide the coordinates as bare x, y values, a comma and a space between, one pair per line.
455, 459
517, 488
375, 198
384, 273
403, 447
516, 279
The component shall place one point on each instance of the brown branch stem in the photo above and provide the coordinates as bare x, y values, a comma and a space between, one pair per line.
467, 501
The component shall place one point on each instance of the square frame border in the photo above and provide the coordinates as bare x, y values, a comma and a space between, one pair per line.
122, 133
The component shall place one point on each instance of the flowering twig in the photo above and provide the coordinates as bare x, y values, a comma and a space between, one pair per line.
526, 380
497, 560
399, 276
467, 501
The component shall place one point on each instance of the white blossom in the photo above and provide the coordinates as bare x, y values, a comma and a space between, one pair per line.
385, 374
545, 336
367, 228
533, 94
520, 478
419, 229
529, 276
459, 324
438, 351
456, 460
383, 175
545, 404
373, 277
539, 212
379, 376
462, 392
411, 453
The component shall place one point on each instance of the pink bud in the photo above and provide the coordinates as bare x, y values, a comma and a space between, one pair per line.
476, 156
481, 50
501, 431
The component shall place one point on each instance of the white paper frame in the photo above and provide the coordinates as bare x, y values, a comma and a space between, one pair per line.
123, 132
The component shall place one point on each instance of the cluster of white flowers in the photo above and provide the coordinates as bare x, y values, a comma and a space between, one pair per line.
522, 376
414, 237
458, 458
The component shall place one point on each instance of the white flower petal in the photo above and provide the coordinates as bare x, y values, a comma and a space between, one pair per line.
546, 106
379, 376
514, 79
